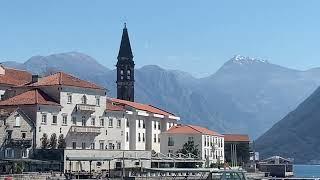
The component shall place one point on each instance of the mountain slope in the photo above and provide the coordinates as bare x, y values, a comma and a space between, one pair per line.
297, 134
245, 95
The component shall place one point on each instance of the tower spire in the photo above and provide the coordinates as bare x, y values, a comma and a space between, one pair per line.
125, 68
125, 51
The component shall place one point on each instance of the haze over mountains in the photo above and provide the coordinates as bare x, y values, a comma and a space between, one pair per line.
245, 95
296, 135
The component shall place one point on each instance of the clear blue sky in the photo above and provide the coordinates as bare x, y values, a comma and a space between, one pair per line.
196, 36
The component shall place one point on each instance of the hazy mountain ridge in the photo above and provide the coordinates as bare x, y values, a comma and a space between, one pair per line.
296, 135
246, 95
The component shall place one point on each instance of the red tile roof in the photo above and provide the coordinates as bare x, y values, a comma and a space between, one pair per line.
143, 107
31, 97
110, 106
15, 77
236, 138
191, 129
61, 78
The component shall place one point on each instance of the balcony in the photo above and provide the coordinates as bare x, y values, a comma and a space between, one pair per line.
14, 143
86, 108
85, 129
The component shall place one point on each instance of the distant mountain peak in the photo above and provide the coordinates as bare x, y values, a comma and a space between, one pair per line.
239, 59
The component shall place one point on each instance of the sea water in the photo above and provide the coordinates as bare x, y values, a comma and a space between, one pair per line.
306, 170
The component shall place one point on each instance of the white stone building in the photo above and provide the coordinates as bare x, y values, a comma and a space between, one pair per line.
209, 143
86, 117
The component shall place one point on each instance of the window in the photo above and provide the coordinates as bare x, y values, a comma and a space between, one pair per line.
74, 145
110, 122
101, 122
97, 100
69, 98
128, 124
106, 132
155, 138
40, 129
154, 125
44, 119
159, 127
119, 145
92, 146
118, 123
60, 130
111, 146
121, 73
101, 145
139, 123
24, 153
143, 124
9, 153
74, 120
83, 120
64, 119
170, 141
139, 137
83, 145
54, 119
128, 74
84, 99
23, 135
17, 120
93, 121
143, 139
158, 139
190, 138
121, 133
127, 136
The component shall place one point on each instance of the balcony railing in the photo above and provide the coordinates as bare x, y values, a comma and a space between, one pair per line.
24, 143
85, 129
85, 107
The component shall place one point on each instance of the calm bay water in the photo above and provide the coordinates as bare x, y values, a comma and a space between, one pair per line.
306, 170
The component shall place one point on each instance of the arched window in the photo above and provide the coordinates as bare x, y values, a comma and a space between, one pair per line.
128, 74
84, 99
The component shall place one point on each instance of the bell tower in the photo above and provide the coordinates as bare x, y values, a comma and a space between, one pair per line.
125, 69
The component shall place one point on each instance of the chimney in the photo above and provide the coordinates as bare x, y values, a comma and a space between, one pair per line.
35, 78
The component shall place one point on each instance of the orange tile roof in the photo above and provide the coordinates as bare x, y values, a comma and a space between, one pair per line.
236, 138
31, 97
191, 129
15, 77
61, 78
143, 107
110, 106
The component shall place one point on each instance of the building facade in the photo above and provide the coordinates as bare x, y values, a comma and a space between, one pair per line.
237, 149
61, 104
17, 133
209, 143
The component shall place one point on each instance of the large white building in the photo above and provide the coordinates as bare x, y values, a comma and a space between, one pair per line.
86, 117
209, 143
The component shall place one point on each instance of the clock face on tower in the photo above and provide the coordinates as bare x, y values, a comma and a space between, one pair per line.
125, 69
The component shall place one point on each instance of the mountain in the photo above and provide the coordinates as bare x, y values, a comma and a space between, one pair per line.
296, 135
246, 95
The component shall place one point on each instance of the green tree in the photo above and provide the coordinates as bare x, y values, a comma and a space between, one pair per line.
53, 141
61, 142
189, 147
44, 141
